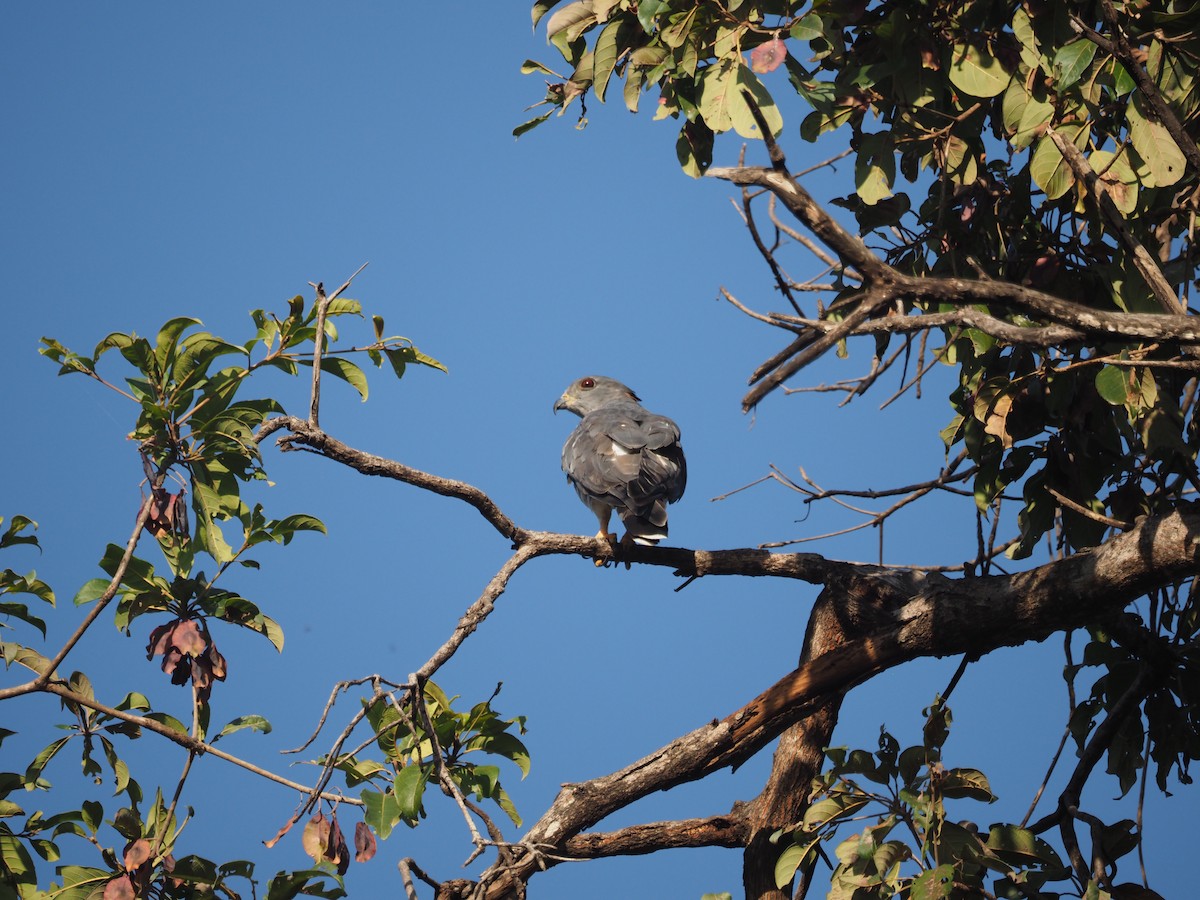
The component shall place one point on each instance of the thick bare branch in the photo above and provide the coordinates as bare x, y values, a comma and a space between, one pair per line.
892, 616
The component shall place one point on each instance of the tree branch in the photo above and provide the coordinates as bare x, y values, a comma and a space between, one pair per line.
1119, 47
892, 616
884, 285
1142, 260
189, 743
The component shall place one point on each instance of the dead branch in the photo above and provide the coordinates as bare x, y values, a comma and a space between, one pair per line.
884, 286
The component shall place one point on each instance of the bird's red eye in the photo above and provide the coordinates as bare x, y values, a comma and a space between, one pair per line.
587, 383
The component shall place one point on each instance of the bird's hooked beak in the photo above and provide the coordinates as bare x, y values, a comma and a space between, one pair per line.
561, 403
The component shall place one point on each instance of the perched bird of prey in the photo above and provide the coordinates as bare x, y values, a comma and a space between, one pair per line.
622, 457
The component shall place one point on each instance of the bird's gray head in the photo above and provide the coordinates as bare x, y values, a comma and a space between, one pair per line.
594, 392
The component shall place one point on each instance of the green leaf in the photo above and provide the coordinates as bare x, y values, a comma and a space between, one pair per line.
358, 771
12, 535
168, 337
34, 771
81, 882
976, 72
21, 611
24, 656
1112, 384
409, 789
875, 168
168, 720
541, 8
789, 861
1071, 61
254, 722
571, 21
1156, 147
934, 884
605, 55
309, 882
382, 811
91, 590
502, 744
808, 27
533, 123
348, 372
1049, 170
831, 808
967, 783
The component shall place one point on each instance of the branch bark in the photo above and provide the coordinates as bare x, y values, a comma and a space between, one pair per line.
889, 617
884, 286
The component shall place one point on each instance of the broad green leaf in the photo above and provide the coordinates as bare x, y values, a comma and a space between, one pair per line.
91, 590
12, 535
967, 783
1049, 170
286, 528
348, 372
254, 722
976, 72
24, 656
828, 809
1071, 61
168, 337
502, 744
8, 809
694, 147
648, 11
875, 168
717, 87
790, 860
1155, 146
934, 884
21, 611
382, 811
808, 27
409, 789
358, 771
961, 162
572, 19
309, 882
168, 720
743, 119
724, 107
195, 870
81, 882
605, 55
505, 803
1112, 383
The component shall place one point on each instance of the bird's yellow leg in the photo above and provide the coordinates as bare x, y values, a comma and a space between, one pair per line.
610, 538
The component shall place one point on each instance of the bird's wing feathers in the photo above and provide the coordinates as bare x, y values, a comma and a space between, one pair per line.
631, 457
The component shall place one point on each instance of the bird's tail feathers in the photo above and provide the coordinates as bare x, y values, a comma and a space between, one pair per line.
648, 529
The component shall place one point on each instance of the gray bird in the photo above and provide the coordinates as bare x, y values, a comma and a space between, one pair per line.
622, 457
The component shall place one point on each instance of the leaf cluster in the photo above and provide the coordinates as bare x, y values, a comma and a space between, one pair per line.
195, 433
909, 844
432, 743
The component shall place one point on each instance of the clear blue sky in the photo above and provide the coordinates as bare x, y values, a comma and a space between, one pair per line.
206, 160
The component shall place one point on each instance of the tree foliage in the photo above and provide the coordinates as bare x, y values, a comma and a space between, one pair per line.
1024, 204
